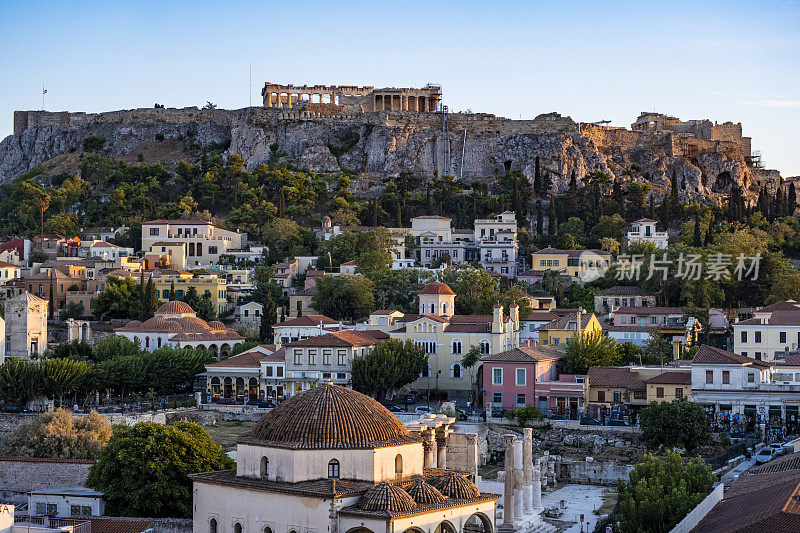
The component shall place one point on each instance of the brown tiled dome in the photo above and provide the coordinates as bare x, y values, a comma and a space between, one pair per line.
159, 324
457, 486
174, 307
437, 288
192, 324
387, 497
424, 493
216, 325
329, 417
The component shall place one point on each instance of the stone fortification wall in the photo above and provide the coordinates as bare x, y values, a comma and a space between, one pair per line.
18, 474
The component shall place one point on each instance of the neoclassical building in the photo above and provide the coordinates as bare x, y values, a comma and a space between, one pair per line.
176, 325
331, 460
446, 337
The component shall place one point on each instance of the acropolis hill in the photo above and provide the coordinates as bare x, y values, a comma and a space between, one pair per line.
379, 133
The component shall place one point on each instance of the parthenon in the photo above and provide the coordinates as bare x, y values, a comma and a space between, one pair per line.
423, 100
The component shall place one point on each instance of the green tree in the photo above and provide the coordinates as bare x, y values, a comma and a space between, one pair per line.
470, 361
676, 423
20, 381
660, 494
120, 299
657, 349
269, 315
205, 308
589, 350
390, 365
555, 283
344, 297
115, 346
143, 470
61, 377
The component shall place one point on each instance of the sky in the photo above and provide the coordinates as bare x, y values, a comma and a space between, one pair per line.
725, 61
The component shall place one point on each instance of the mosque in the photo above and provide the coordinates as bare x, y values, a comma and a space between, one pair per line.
332, 460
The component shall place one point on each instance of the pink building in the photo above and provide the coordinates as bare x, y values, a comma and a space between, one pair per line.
529, 376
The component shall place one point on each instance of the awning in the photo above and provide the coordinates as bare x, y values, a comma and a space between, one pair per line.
566, 394
749, 410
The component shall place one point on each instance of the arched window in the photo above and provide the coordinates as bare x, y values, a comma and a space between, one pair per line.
444, 308
398, 464
147, 342
267, 529
237, 528
264, 467
457, 347
333, 469
486, 348
159, 342
426, 371
212, 525
456, 372
433, 308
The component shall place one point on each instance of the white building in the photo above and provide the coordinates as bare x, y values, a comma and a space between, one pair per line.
638, 335
203, 240
67, 502
304, 327
357, 469
258, 373
25, 326
772, 333
176, 325
644, 230
529, 326
107, 251
760, 392
496, 239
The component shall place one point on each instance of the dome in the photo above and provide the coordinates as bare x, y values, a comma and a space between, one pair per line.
192, 324
174, 308
216, 325
329, 417
424, 493
457, 486
387, 497
437, 288
159, 324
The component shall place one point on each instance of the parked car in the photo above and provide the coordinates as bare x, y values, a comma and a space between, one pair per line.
618, 422
226, 401
423, 409
411, 398
777, 447
14, 409
395, 409
558, 417
589, 421
261, 404
765, 455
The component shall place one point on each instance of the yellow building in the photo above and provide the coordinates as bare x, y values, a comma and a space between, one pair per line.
576, 263
669, 386
211, 284
561, 331
625, 389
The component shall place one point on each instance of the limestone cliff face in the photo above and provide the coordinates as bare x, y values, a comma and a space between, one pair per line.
379, 145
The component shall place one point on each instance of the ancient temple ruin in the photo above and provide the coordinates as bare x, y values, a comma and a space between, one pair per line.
420, 100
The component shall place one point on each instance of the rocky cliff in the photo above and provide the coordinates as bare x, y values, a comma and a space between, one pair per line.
385, 144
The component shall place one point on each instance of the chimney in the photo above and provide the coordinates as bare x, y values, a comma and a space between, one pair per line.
513, 311
497, 319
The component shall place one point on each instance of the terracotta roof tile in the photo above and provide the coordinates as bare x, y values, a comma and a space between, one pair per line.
345, 337
437, 288
672, 378
526, 354
710, 355
307, 320
387, 497
614, 376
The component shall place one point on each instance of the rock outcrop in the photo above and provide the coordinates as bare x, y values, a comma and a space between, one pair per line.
384, 144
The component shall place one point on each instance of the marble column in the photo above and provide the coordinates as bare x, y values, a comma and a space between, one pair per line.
508, 493
527, 468
441, 446
536, 489
289, 100
519, 496
429, 445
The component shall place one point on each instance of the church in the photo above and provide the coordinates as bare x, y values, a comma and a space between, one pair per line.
332, 460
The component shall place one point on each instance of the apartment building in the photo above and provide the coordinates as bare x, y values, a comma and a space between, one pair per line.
613, 298
496, 239
204, 242
773, 332
614, 392
560, 331
209, 284
577, 264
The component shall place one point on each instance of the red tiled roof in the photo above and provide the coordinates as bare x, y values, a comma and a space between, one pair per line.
788, 305
345, 337
307, 320
3, 264
111, 525
248, 359
384, 312
46, 460
561, 323
541, 316
649, 311
709, 355
777, 318
179, 221
672, 378
614, 376
437, 288
525, 354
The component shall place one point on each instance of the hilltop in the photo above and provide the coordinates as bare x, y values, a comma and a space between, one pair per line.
371, 146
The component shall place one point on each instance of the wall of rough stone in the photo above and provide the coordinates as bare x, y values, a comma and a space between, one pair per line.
18, 474
10, 422
594, 472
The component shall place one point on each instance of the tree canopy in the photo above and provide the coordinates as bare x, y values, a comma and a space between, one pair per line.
143, 470
344, 297
390, 365
589, 350
676, 423
59, 435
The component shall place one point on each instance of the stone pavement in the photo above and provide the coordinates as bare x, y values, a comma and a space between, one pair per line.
580, 499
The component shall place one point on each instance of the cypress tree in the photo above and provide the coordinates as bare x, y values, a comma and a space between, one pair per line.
552, 223
573, 180
537, 177
673, 195
697, 242
281, 206
791, 200
710, 232
172, 291
268, 318
539, 218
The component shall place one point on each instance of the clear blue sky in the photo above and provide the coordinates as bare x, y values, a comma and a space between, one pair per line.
736, 61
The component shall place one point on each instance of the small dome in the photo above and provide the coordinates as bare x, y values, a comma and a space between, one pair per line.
457, 486
437, 288
329, 417
216, 325
174, 308
387, 497
192, 324
424, 493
